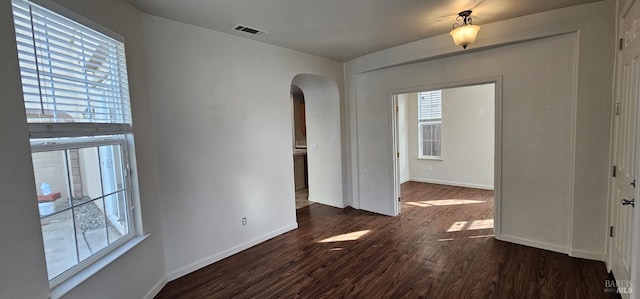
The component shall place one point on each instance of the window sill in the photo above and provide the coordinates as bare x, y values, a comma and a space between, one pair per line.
431, 158
84, 274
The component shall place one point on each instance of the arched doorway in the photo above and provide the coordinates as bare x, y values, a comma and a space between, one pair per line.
317, 135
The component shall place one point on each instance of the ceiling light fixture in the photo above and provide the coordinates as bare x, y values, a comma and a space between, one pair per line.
464, 34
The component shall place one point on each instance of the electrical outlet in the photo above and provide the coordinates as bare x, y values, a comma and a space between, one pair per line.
244, 221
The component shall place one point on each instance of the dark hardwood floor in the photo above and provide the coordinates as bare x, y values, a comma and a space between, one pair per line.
440, 247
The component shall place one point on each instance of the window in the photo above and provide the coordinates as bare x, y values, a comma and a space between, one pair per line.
76, 96
430, 124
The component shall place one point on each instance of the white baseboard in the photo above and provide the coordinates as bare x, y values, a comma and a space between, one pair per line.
450, 183
552, 247
535, 244
583, 254
339, 205
227, 253
156, 288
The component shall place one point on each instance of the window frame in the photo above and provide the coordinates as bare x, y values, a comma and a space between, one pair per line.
52, 136
421, 140
40, 145
422, 122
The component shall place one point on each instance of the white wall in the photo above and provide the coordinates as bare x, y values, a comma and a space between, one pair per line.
223, 135
23, 272
22, 264
556, 115
467, 139
531, 199
211, 133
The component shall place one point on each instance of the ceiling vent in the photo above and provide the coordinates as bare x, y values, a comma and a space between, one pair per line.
249, 30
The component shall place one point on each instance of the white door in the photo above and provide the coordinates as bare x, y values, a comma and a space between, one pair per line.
625, 149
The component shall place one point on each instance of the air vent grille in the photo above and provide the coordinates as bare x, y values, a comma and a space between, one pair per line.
249, 30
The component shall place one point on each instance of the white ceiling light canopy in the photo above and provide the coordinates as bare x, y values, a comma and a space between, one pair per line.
464, 34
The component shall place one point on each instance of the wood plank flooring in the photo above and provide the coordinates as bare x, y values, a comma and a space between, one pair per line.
302, 198
440, 247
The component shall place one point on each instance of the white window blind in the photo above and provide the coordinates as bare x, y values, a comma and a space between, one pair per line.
430, 105
70, 73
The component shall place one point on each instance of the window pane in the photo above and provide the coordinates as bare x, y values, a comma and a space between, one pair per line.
426, 132
77, 219
90, 228
431, 135
426, 148
111, 169
59, 243
437, 131
75, 176
88, 164
436, 149
116, 211
50, 174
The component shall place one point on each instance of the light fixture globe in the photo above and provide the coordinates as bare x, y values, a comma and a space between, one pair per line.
465, 35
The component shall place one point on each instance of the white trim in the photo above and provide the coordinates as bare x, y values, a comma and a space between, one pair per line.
583, 254
531, 243
156, 288
431, 158
395, 135
451, 183
44, 145
497, 162
56, 130
497, 159
612, 139
227, 253
572, 161
351, 112
78, 278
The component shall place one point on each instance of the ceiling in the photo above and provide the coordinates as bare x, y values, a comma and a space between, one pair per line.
342, 29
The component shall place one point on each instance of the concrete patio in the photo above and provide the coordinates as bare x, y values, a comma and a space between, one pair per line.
60, 235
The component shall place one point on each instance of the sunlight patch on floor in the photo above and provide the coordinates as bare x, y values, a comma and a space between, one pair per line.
457, 226
474, 225
481, 224
346, 237
444, 202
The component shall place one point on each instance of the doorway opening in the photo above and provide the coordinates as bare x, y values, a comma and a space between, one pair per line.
317, 141
445, 139
300, 162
